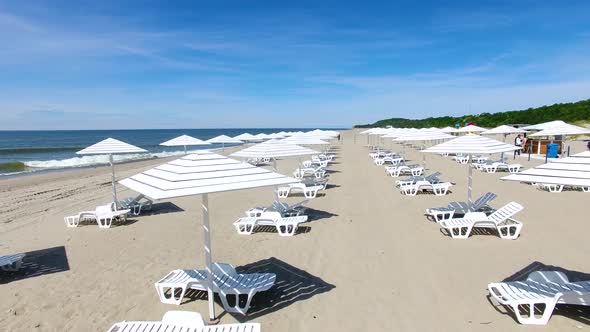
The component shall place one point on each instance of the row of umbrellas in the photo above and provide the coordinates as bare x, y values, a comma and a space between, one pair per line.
207, 172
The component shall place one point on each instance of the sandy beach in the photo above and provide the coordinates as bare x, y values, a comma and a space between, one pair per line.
368, 260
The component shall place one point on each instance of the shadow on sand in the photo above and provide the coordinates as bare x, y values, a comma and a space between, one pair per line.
578, 313
37, 263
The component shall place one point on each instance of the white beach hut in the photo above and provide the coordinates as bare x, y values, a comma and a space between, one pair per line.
111, 146
200, 174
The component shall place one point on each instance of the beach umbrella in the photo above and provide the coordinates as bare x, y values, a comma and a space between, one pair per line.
570, 171
471, 144
223, 139
273, 149
247, 137
471, 129
202, 173
184, 140
111, 147
449, 130
424, 136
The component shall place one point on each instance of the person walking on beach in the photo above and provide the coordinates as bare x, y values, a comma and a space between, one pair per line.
518, 143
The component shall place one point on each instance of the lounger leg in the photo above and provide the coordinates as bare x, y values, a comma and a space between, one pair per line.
460, 232
104, 222
236, 307
72, 221
586, 189
245, 228
172, 299
310, 193
530, 318
286, 229
509, 232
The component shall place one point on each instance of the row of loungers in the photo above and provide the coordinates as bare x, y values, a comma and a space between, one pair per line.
105, 215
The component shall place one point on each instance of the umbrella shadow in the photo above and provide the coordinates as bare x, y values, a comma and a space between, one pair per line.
314, 215
292, 285
578, 313
162, 208
37, 263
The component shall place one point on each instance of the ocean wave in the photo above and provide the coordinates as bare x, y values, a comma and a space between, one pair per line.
86, 161
38, 150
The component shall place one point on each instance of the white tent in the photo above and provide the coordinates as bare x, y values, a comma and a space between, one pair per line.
562, 130
503, 130
545, 125
184, 140
111, 146
201, 174
471, 129
223, 139
570, 171
471, 144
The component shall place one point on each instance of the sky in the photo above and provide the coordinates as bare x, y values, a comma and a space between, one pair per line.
234, 64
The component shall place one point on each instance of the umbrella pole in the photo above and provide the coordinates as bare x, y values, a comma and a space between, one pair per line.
113, 180
222, 146
185, 150
208, 260
469, 181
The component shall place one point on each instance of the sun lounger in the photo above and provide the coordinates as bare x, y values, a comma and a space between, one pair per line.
534, 299
394, 160
136, 205
229, 284
395, 171
412, 189
461, 208
307, 191
284, 209
461, 159
11, 263
318, 172
181, 321
104, 216
501, 220
285, 226
492, 167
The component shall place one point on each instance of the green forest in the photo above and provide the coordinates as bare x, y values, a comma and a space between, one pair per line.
568, 112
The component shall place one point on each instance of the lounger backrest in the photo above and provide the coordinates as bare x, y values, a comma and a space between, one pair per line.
506, 212
483, 201
433, 177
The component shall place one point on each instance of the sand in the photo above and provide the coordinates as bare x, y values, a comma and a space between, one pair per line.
370, 260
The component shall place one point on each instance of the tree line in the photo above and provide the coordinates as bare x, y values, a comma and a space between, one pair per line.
568, 112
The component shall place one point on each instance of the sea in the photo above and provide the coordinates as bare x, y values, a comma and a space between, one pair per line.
27, 152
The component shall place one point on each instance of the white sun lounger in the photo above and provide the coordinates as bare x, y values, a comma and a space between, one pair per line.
136, 205
461, 208
308, 191
181, 321
285, 226
284, 209
461, 159
394, 160
103, 215
395, 171
540, 292
494, 166
226, 282
411, 189
11, 263
501, 220
318, 172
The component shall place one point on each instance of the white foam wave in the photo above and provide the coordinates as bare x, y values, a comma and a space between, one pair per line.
86, 161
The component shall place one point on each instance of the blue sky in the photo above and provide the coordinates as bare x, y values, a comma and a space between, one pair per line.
215, 64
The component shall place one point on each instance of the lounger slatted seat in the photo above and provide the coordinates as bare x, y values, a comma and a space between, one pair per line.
11, 263
461, 208
395, 171
136, 205
235, 290
285, 226
284, 209
501, 220
540, 292
181, 321
394, 160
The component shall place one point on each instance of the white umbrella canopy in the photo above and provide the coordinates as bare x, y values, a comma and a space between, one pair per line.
111, 146
503, 130
247, 137
570, 171
471, 144
304, 140
223, 139
449, 130
184, 140
201, 174
273, 149
471, 129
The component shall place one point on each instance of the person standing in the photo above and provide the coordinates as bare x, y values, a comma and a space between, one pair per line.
524, 142
518, 143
